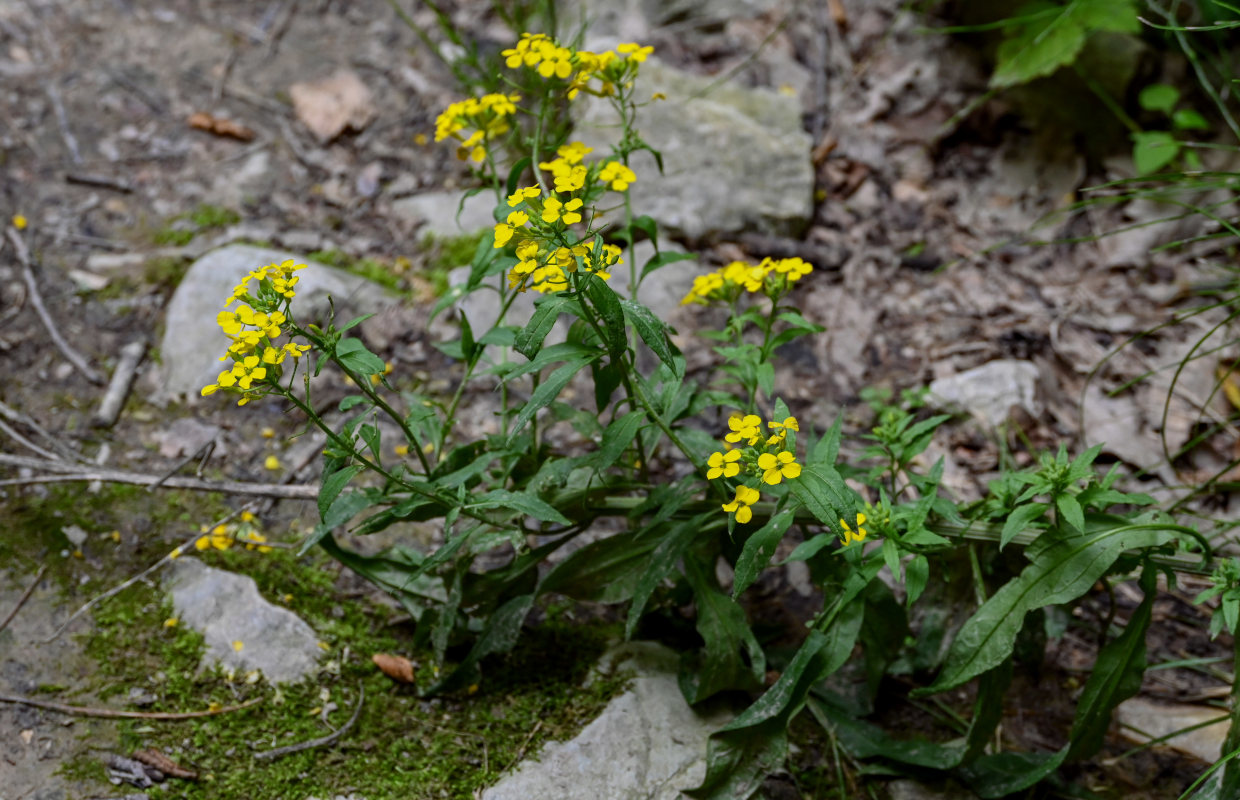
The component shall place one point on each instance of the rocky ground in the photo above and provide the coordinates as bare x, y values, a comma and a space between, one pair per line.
152, 150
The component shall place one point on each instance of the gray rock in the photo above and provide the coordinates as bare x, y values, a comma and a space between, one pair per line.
988, 392
735, 159
1142, 720
226, 608
436, 212
193, 341
647, 743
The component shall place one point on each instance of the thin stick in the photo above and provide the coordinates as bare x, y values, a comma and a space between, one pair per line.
77, 472
118, 389
21, 601
101, 181
23, 441
62, 119
17, 417
521, 750
23, 256
112, 713
202, 454
280, 752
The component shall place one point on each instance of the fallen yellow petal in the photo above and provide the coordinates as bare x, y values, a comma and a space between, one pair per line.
237, 645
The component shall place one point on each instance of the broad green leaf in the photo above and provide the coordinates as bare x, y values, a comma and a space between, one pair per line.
354, 356
548, 390
342, 509
1116, 676
1188, 120
1002, 774
759, 549
654, 333
810, 547
519, 501
1153, 150
530, 340
1054, 36
725, 632
828, 447
1063, 568
865, 740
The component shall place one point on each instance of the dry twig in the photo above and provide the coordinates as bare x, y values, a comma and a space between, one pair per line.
75, 358
112, 713
18, 418
280, 752
118, 389
21, 601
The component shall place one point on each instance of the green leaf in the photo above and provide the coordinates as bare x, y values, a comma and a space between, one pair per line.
1116, 676
1153, 150
333, 484
530, 340
548, 390
354, 356
759, 549
1063, 568
865, 740
370, 435
661, 564
605, 571
916, 576
722, 625
821, 489
1159, 97
662, 259
1070, 511
341, 510
746, 750
1019, 519
828, 447
654, 333
616, 439
1002, 774
1053, 38
1188, 120
354, 322
607, 303
498, 635
811, 547
519, 501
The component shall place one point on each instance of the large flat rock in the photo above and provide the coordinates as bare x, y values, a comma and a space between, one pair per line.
735, 159
647, 743
227, 609
193, 341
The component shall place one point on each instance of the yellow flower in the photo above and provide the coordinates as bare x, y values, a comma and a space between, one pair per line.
777, 467
248, 516
789, 422
238, 645
634, 51
268, 433
747, 427
176, 553
850, 535
521, 195
554, 210
745, 497
272, 463
617, 175
723, 464
401, 449
574, 152
19, 222
171, 622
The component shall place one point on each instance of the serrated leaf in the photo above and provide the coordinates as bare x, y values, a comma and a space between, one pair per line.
759, 549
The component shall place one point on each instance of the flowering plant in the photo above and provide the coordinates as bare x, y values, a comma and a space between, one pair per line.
648, 455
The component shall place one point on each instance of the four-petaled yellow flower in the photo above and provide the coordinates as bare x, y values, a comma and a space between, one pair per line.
617, 175
554, 210
723, 464
220, 538
748, 427
777, 467
850, 535
521, 195
745, 497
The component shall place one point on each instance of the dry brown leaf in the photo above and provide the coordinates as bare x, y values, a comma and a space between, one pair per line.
398, 668
203, 121
330, 106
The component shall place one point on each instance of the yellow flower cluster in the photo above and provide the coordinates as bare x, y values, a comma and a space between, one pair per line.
762, 455
771, 276
474, 122
578, 68
222, 537
536, 228
253, 328
849, 536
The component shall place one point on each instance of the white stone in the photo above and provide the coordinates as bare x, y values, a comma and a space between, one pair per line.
988, 392
436, 212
